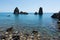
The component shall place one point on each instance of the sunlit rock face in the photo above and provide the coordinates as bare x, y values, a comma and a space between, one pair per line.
16, 10
40, 10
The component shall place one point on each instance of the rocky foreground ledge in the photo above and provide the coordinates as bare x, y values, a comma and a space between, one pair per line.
15, 35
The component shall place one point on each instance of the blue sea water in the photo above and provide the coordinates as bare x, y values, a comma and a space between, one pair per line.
44, 24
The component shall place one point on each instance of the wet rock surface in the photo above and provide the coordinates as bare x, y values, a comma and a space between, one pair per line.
25, 36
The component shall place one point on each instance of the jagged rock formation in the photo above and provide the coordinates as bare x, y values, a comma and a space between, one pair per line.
56, 15
16, 11
40, 10
23, 12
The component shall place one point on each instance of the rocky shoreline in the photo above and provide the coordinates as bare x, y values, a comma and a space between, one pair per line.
9, 34
56, 15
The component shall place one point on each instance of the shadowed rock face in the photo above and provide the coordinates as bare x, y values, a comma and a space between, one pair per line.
40, 10
23, 12
56, 15
36, 13
16, 11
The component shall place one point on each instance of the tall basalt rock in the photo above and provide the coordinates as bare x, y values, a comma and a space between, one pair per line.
40, 10
16, 11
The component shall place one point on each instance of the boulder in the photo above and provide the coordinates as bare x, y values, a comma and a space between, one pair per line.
10, 30
35, 32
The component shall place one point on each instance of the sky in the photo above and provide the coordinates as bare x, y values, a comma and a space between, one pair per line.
30, 5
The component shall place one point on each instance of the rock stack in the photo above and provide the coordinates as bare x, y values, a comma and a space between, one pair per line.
40, 10
16, 10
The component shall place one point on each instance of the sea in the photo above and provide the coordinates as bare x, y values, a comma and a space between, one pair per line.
44, 24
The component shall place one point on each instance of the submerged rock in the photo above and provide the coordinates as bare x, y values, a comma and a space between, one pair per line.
35, 32
9, 29
8, 15
16, 11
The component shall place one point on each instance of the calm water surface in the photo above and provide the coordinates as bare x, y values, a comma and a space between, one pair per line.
42, 23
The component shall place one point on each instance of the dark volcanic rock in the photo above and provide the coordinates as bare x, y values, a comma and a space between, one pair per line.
9, 29
58, 22
56, 15
40, 10
35, 32
35, 13
16, 11
58, 27
23, 12
15, 37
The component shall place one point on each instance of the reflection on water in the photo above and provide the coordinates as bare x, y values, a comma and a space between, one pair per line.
42, 23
